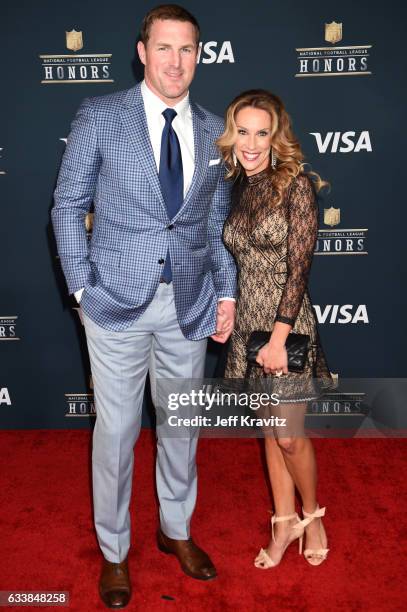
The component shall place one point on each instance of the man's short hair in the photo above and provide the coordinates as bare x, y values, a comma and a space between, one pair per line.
167, 11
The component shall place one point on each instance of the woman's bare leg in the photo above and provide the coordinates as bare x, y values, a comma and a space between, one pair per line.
299, 457
291, 463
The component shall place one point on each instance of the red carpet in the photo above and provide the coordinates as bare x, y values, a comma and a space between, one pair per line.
48, 542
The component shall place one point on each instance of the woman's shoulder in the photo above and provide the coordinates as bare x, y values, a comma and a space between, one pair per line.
301, 185
302, 181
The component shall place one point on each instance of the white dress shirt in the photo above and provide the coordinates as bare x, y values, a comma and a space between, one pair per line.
183, 127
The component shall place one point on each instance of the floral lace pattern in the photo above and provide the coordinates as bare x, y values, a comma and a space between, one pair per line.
273, 245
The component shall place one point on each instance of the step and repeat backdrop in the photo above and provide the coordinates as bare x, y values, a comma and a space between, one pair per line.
340, 68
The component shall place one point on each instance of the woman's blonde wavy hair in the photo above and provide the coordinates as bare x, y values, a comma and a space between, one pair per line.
286, 147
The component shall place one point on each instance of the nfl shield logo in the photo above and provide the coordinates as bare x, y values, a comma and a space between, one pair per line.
74, 40
333, 32
332, 216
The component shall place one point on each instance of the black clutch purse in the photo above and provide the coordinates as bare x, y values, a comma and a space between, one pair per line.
296, 346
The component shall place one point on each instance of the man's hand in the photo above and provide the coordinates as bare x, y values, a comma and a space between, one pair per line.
225, 321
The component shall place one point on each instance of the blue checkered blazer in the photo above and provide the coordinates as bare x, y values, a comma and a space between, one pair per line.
109, 161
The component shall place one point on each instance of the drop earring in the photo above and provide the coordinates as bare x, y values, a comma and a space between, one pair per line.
234, 158
273, 159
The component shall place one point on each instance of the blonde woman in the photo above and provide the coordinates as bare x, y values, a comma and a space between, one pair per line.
271, 231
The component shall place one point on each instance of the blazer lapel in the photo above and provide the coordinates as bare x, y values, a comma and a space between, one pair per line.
202, 145
134, 121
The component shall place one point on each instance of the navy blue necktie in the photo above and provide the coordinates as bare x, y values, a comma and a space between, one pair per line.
171, 176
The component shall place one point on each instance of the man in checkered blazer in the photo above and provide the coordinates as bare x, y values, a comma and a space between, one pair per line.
153, 283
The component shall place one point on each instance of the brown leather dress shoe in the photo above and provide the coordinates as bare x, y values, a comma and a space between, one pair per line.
114, 584
193, 560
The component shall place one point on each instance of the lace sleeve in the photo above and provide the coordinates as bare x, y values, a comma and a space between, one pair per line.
302, 234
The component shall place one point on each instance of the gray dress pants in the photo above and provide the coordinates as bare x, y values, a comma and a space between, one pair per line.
120, 361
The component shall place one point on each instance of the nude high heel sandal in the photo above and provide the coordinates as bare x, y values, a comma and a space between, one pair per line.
315, 556
263, 560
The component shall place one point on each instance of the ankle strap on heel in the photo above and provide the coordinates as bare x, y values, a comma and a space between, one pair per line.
280, 519
309, 517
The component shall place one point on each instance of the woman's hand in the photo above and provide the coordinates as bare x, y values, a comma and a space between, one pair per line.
273, 358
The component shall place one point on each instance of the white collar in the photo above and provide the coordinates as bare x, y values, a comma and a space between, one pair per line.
157, 106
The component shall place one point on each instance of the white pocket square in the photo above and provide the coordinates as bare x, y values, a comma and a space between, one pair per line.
213, 162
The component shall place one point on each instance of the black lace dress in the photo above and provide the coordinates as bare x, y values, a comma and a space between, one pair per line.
273, 245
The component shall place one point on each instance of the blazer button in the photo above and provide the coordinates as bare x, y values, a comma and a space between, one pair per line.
171, 226
161, 261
